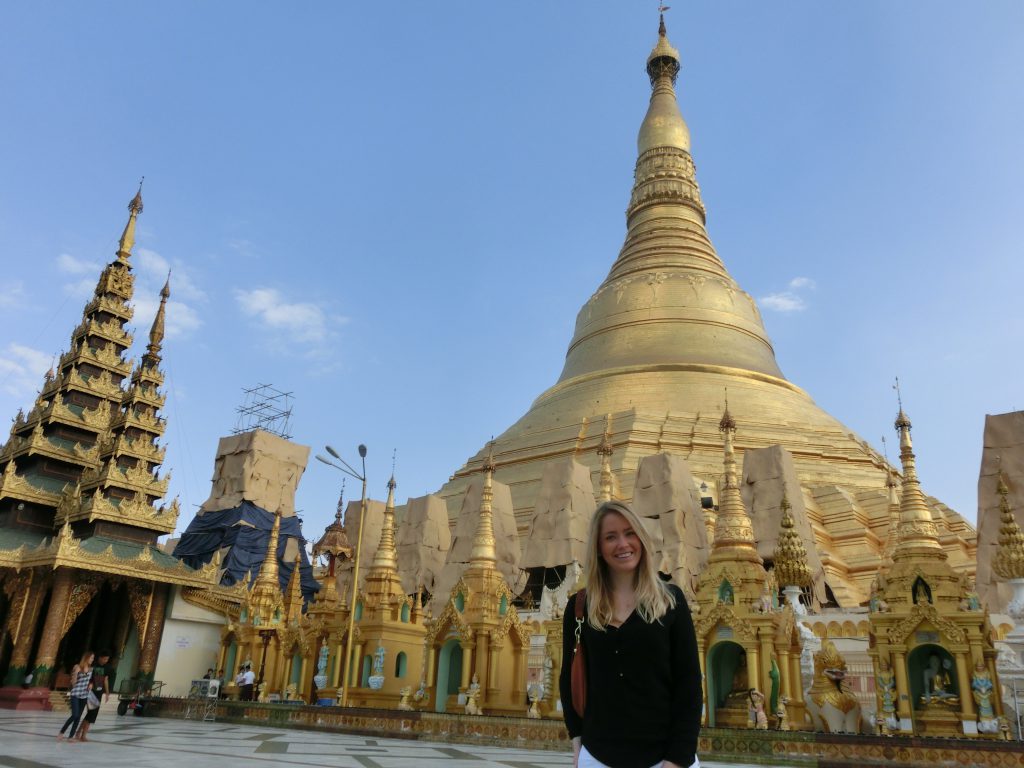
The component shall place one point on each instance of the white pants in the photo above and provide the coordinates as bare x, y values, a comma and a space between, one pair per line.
587, 760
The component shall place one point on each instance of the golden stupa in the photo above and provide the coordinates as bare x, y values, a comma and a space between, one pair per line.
655, 349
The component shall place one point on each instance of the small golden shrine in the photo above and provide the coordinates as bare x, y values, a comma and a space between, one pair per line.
389, 649
747, 642
932, 651
477, 646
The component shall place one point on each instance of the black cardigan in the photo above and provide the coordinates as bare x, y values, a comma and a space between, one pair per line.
644, 695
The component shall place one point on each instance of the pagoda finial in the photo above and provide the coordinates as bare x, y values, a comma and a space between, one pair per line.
387, 555
790, 554
127, 242
664, 125
156, 332
918, 536
605, 452
483, 552
265, 597
1009, 560
734, 533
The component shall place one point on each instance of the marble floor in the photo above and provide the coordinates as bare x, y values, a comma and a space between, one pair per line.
28, 740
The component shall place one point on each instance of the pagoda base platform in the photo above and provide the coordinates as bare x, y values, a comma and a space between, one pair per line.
740, 745
28, 699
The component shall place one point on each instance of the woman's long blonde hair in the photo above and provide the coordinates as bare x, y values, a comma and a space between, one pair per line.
653, 597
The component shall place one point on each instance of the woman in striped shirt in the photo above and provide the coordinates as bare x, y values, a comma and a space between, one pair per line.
81, 675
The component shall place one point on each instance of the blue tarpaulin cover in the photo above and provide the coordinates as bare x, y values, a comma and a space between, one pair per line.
212, 531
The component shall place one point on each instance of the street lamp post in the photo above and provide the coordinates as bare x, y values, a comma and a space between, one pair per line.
348, 470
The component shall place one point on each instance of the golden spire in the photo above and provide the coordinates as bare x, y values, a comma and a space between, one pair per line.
734, 534
918, 536
156, 333
127, 242
664, 125
387, 555
790, 554
892, 537
483, 552
293, 598
1009, 560
265, 595
605, 452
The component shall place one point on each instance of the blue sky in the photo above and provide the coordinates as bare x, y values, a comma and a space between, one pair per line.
395, 210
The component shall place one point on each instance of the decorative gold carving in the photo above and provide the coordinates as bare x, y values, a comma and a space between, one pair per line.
111, 306
726, 616
85, 588
919, 613
140, 596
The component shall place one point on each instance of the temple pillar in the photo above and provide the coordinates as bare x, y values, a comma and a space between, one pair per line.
481, 660
766, 667
754, 679
785, 674
797, 679
963, 681
492, 665
355, 676
902, 690
53, 629
301, 690
519, 678
339, 662
431, 666
467, 661
23, 628
154, 632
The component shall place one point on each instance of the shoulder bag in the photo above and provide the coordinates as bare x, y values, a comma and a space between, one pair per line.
579, 659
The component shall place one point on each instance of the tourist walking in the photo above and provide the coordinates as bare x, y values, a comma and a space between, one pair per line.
99, 692
81, 675
643, 694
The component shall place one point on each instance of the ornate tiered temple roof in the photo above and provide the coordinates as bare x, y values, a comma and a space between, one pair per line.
653, 349
79, 474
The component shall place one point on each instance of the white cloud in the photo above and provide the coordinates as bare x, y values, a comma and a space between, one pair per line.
303, 322
153, 269
82, 289
179, 320
72, 265
22, 369
12, 294
784, 302
798, 283
790, 300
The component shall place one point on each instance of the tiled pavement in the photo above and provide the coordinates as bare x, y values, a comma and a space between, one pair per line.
28, 740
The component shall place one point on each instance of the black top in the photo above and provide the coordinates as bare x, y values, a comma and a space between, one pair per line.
644, 694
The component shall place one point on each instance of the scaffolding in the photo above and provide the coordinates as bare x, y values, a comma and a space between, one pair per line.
267, 408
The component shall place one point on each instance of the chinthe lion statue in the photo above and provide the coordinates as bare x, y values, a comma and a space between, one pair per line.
833, 709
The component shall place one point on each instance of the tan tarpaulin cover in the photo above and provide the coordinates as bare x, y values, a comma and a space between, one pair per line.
1003, 448
424, 539
257, 467
557, 533
506, 541
765, 470
368, 546
666, 496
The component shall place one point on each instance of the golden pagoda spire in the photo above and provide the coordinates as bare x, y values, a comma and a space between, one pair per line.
265, 595
790, 556
1009, 560
605, 452
918, 536
387, 555
892, 537
483, 552
663, 126
127, 242
156, 332
734, 533
293, 595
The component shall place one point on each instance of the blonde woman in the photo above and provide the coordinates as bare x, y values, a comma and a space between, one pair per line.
81, 676
644, 696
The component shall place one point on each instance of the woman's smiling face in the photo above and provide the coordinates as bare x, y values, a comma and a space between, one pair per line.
620, 545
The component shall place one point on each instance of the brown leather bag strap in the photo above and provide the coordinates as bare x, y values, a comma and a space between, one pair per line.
579, 605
